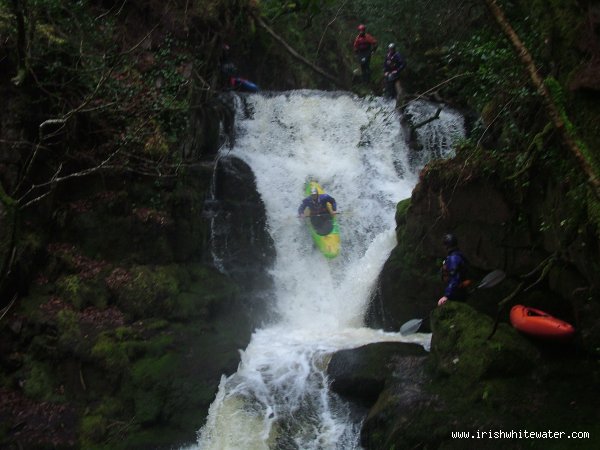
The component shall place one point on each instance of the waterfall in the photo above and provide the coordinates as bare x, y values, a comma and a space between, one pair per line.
354, 147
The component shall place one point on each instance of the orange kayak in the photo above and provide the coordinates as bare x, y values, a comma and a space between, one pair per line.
539, 323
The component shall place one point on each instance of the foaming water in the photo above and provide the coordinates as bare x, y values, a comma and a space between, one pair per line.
279, 397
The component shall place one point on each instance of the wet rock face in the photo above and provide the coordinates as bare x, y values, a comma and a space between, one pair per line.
410, 283
360, 374
387, 378
241, 243
498, 227
474, 380
129, 301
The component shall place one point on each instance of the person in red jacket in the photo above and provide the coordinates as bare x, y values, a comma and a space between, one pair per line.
364, 45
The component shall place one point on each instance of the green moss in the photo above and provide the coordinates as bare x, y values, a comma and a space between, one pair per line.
103, 427
155, 437
151, 370
69, 332
111, 354
148, 405
40, 381
81, 293
151, 292
401, 210
190, 306
151, 378
117, 350
156, 324
460, 346
93, 430
69, 288
206, 291
188, 401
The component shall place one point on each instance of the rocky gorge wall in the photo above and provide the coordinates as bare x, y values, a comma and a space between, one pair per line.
483, 375
122, 326
535, 231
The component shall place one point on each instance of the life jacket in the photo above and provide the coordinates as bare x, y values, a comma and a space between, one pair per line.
447, 271
318, 207
364, 43
394, 61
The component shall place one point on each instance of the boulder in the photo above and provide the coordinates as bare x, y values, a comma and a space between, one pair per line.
360, 374
460, 346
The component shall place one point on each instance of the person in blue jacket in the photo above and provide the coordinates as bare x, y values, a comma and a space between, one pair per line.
229, 74
454, 272
321, 208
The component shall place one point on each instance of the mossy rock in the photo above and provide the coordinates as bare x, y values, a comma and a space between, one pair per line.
460, 346
402, 210
116, 350
151, 292
111, 354
40, 381
191, 306
93, 430
81, 293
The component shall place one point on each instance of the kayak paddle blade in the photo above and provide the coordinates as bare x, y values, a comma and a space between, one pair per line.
492, 279
410, 327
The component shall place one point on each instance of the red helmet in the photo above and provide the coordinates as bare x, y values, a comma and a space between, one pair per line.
361, 27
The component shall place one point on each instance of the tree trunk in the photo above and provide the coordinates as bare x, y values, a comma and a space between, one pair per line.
18, 8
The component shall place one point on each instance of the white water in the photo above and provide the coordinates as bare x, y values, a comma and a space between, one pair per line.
279, 399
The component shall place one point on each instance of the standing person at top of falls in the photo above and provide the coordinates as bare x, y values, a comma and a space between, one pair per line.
230, 79
454, 272
393, 64
227, 67
364, 46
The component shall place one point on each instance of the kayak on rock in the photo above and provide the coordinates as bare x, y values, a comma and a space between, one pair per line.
540, 324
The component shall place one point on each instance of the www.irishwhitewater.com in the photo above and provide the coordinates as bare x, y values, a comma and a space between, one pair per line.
520, 434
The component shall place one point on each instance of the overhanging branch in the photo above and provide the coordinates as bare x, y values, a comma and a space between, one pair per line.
296, 55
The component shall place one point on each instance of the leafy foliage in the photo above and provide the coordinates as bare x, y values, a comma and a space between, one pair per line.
275, 8
497, 86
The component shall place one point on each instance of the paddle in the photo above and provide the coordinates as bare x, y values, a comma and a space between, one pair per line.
490, 280
337, 213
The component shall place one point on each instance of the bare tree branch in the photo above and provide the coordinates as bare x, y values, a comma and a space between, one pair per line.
7, 308
328, 25
296, 55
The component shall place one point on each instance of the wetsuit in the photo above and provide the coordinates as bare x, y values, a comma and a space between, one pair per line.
319, 214
454, 273
393, 64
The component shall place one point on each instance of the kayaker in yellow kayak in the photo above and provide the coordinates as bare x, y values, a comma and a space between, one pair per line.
320, 208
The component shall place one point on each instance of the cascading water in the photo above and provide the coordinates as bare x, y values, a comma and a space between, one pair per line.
279, 397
